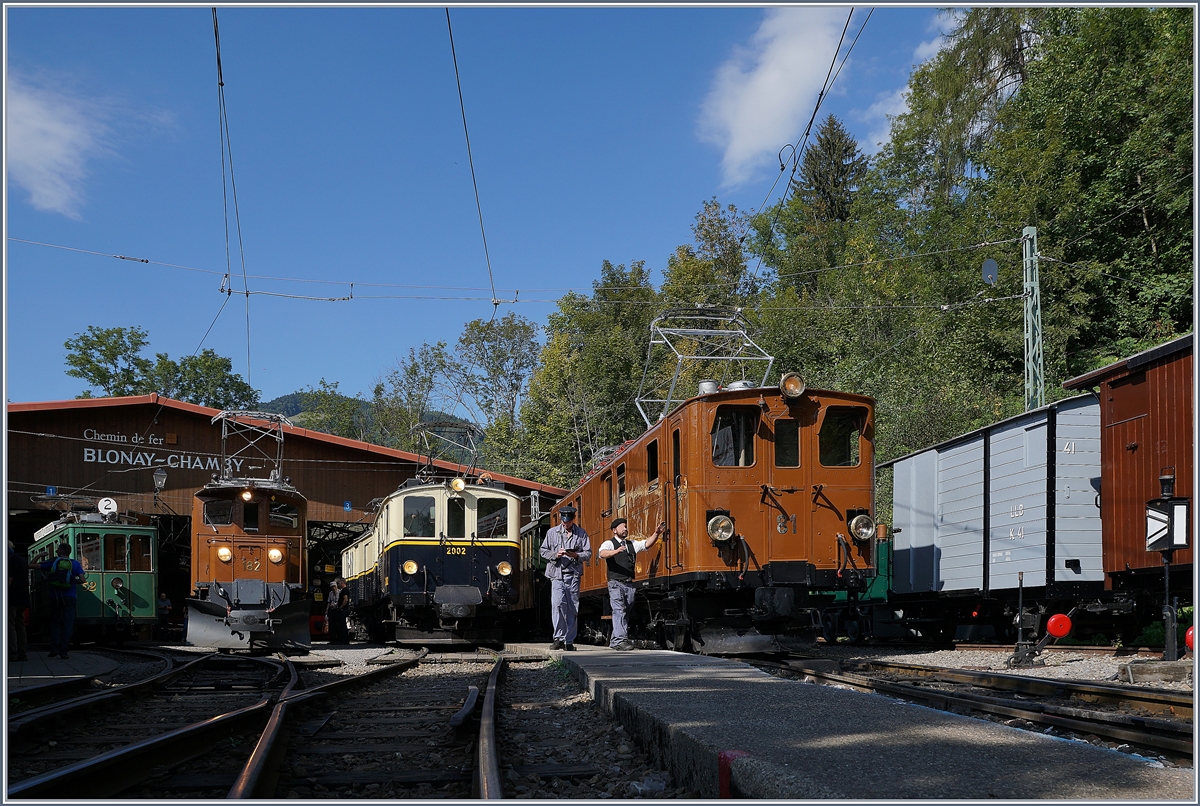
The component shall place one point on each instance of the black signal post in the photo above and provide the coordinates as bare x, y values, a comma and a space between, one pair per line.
1167, 529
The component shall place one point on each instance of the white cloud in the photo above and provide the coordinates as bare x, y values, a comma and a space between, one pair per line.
879, 115
763, 95
51, 136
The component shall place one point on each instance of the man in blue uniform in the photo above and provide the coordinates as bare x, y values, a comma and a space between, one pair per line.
63, 574
565, 549
620, 553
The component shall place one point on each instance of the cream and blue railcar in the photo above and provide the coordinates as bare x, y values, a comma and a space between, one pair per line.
439, 565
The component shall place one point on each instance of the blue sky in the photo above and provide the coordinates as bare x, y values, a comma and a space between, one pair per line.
596, 133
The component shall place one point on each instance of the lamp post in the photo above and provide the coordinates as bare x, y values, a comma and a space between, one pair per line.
160, 481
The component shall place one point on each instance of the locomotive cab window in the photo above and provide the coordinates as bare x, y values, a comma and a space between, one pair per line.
733, 436
218, 513
620, 486
250, 516
608, 496
652, 463
492, 518
114, 553
456, 518
419, 513
840, 435
787, 443
89, 551
284, 516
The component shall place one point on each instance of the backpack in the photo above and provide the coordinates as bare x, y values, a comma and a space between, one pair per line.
60, 574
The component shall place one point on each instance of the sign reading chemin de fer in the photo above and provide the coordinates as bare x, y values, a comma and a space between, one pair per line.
137, 455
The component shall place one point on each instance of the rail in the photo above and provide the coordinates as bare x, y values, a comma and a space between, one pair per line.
258, 776
487, 762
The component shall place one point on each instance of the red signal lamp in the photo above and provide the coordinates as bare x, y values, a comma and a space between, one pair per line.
1059, 625
1189, 638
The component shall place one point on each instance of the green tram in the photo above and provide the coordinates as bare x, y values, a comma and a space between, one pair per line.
118, 600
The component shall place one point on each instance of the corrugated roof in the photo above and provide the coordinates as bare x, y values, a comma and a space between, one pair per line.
1090, 379
320, 436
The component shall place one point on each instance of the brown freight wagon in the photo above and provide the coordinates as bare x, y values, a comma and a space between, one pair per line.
1146, 417
768, 497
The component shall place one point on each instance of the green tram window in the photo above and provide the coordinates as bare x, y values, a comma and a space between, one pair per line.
89, 551
840, 434
114, 553
419, 514
456, 518
492, 518
141, 553
787, 443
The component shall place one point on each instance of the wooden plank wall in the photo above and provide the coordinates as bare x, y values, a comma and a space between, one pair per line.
1147, 425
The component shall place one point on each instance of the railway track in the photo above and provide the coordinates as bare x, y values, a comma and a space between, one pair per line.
67, 688
103, 743
1143, 718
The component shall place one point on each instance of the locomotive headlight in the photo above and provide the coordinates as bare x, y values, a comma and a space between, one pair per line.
792, 385
409, 567
247, 495
504, 568
224, 554
720, 528
118, 583
275, 556
862, 527
458, 485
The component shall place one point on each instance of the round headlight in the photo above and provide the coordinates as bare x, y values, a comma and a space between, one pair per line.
275, 556
118, 583
720, 528
458, 485
409, 567
504, 568
862, 527
792, 385
247, 495
224, 554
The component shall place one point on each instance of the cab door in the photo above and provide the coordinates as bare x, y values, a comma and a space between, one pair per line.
675, 498
785, 500
841, 460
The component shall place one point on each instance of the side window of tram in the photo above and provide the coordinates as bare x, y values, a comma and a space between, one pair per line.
140, 557
89, 551
652, 462
419, 513
492, 515
733, 436
218, 513
787, 443
114, 553
620, 486
839, 437
284, 516
456, 518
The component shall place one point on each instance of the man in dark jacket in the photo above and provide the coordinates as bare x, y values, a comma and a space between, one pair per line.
18, 602
339, 610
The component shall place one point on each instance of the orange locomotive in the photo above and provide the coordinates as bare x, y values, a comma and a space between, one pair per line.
768, 497
248, 547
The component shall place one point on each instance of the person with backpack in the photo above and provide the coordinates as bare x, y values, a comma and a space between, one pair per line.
62, 575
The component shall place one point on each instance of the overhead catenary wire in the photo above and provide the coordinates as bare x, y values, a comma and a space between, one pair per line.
471, 161
227, 148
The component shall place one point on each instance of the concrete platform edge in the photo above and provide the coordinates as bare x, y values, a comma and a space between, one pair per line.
692, 762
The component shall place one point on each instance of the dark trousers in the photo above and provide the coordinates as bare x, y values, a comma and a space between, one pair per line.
62, 623
16, 631
339, 633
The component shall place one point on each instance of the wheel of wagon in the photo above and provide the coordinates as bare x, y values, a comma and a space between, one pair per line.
829, 626
854, 630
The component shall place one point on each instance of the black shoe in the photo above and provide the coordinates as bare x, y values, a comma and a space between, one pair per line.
624, 646
52, 655
569, 647
557, 644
